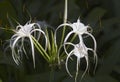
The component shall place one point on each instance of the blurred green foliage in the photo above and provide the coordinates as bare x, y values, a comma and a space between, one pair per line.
0, 80
102, 15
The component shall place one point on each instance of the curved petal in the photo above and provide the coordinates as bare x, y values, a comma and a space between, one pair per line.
23, 48
77, 68
44, 36
15, 35
19, 27
13, 38
13, 50
95, 44
91, 30
62, 25
87, 64
68, 35
94, 52
66, 64
67, 43
95, 57
32, 47
37, 25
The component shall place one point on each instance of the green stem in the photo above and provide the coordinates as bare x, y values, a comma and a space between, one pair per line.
65, 20
65, 11
41, 49
52, 74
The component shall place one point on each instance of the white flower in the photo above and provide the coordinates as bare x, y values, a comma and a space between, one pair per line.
80, 51
22, 32
77, 28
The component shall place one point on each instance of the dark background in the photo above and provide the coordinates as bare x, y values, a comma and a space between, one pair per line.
102, 15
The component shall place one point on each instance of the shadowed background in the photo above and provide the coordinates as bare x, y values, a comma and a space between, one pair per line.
102, 15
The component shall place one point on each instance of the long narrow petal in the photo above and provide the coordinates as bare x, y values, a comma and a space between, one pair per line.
68, 35
37, 36
87, 64
94, 53
38, 25
67, 43
32, 47
95, 44
13, 38
23, 48
62, 25
66, 64
44, 36
77, 68
95, 58
13, 50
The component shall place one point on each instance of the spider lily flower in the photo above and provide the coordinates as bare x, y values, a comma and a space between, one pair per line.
17, 40
80, 29
80, 51
77, 28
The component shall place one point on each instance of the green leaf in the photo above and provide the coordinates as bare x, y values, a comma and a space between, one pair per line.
41, 49
0, 80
